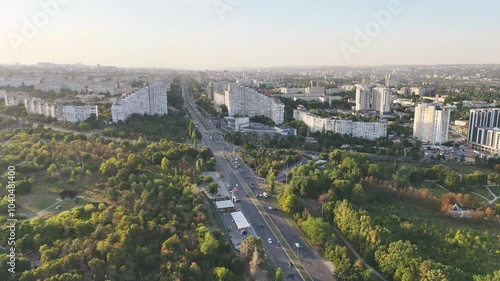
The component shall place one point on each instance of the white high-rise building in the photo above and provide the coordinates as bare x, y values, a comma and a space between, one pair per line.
381, 99
151, 100
363, 98
391, 80
378, 99
244, 101
431, 123
484, 130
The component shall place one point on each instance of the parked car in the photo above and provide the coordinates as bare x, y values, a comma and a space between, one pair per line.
270, 241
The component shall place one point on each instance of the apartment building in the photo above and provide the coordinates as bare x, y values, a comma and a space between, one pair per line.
484, 130
151, 100
365, 130
381, 99
378, 99
39, 106
69, 113
363, 98
316, 90
431, 123
72, 113
244, 101
286, 90
391, 81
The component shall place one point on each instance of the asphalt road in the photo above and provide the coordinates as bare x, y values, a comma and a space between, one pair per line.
310, 260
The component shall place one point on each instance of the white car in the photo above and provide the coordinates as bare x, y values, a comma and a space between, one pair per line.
270, 240
297, 245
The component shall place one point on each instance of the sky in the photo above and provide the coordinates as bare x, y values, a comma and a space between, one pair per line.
219, 34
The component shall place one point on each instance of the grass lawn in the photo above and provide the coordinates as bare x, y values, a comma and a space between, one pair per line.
436, 191
37, 201
66, 205
480, 190
279, 186
466, 169
495, 189
44, 195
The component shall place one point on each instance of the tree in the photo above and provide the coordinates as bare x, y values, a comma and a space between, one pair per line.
271, 180
494, 277
400, 260
212, 187
400, 180
358, 194
249, 245
164, 163
316, 229
208, 244
199, 165
254, 262
222, 274
279, 275
452, 180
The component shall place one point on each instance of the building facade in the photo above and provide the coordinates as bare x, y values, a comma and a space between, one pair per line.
73, 113
363, 98
378, 99
68, 113
244, 101
484, 130
381, 99
151, 100
431, 123
365, 130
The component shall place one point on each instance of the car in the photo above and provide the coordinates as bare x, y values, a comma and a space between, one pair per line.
58, 207
270, 241
290, 264
278, 243
264, 195
297, 245
261, 226
271, 208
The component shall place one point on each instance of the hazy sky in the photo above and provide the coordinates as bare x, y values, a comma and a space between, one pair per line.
248, 33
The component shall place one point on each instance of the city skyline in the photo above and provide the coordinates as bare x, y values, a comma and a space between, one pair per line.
198, 34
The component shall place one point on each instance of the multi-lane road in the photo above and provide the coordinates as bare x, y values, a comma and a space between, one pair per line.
256, 209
